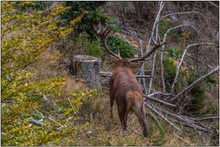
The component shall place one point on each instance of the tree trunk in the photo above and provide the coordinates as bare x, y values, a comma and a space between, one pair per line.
87, 68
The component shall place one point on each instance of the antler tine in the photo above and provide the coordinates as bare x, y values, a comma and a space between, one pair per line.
148, 54
103, 36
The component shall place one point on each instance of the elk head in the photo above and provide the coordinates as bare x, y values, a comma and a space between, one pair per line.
124, 87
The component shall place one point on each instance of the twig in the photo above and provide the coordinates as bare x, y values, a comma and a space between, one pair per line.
198, 81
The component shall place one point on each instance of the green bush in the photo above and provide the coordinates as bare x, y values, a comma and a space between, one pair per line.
197, 95
94, 16
164, 26
170, 72
173, 52
117, 45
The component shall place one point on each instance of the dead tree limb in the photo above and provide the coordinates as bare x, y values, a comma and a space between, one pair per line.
142, 68
160, 101
187, 121
155, 28
162, 57
198, 81
162, 116
108, 74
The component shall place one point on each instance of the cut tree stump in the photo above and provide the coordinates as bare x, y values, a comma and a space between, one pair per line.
87, 68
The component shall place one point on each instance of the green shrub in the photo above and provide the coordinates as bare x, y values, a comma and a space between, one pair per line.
197, 95
197, 100
170, 72
94, 16
173, 52
164, 26
116, 44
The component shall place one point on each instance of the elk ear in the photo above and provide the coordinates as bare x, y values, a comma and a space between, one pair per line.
136, 64
114, 59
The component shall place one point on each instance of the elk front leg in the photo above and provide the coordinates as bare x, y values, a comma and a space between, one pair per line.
142, 120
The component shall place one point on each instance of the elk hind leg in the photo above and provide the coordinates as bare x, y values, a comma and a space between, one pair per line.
123, 117
142, 120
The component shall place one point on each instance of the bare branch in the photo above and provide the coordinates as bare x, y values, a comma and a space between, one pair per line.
160, 101
108, 74
183, 13
142, 68
213, 4
152, 73
156, 22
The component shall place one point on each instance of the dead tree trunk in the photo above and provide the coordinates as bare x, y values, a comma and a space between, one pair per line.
87, 68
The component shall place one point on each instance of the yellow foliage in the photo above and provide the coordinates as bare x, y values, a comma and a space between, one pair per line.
25, 37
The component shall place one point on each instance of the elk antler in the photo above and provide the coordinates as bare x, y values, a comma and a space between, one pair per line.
103, 36
147, 55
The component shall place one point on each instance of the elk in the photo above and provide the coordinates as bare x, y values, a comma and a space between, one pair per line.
124, 87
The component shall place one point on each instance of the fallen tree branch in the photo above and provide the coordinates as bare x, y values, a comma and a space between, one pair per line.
205, 118
159, 93
187, 121
160, 101
108, 74
193, 126
198, 81
162, 116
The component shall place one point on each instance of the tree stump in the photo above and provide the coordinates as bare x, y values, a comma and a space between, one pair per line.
87, 68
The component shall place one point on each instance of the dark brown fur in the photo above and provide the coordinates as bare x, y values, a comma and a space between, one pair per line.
126, 91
